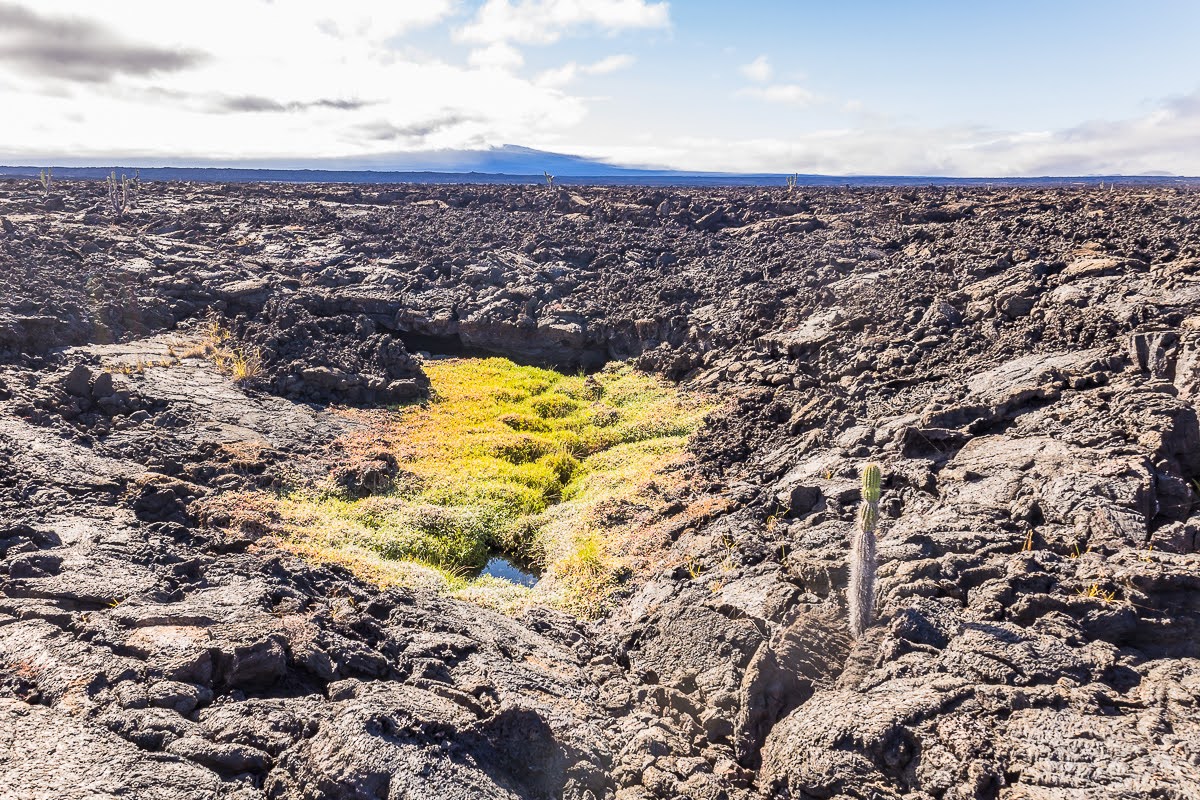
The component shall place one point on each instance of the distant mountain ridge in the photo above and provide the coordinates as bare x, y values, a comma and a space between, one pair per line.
505, 160
505, 164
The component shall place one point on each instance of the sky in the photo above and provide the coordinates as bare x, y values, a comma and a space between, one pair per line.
866, 87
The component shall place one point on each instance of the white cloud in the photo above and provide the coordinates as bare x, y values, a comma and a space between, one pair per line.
372, 19
758, 70
275, 80
561, 76
610, 64
792, 94
1163, 139
497, 55
546, 21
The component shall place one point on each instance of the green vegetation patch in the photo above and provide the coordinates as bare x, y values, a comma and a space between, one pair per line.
555, 470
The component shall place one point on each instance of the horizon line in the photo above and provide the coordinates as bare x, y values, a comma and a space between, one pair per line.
625, 174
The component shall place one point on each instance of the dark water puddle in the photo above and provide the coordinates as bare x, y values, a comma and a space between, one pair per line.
501, 567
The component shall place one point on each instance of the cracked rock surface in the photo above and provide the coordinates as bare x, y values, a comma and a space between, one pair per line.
1023, 363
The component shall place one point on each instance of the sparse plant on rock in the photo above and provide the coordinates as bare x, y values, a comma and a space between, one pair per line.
1096, 593
549, 179
861, 593
245, 365
123, 194
118, 194
791, 182
46, 179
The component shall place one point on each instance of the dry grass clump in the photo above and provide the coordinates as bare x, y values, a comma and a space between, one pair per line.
242, 364
139, 365
556, 470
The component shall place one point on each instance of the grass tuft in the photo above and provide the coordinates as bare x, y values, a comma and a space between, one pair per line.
242, 364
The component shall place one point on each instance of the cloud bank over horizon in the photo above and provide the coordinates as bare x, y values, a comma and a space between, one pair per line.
640, 83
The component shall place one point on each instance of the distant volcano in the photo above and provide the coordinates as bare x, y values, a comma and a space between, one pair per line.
507, 159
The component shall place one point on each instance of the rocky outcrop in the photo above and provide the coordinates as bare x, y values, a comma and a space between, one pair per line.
337, 358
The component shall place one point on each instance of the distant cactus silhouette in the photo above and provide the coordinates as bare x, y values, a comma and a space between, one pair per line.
862, 554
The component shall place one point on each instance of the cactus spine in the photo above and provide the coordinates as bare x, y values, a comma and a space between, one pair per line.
862, 554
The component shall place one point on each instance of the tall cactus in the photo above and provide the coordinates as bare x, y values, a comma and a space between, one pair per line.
118, 194
862, 554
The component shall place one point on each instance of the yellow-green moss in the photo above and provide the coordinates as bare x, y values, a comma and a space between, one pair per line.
557, 470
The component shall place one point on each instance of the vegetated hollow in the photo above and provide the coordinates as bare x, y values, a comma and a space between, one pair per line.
544, 469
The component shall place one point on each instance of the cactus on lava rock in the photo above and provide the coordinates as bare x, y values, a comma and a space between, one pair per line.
862, 554
118, 194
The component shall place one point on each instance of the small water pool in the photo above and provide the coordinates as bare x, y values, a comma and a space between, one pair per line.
501, 567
